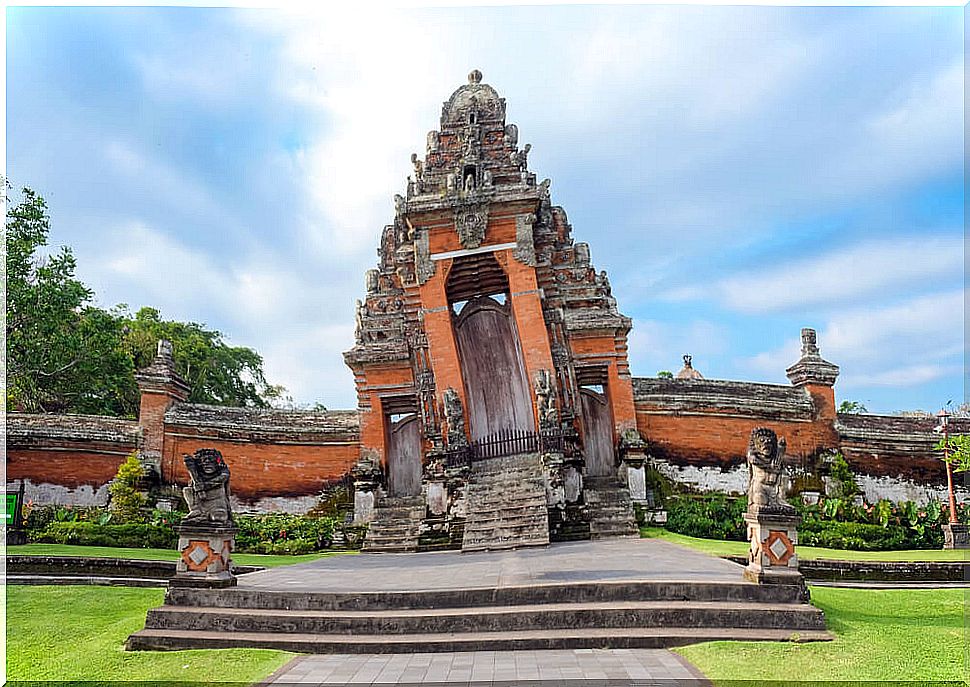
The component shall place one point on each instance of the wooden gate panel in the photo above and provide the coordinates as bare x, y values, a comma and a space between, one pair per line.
598, 422
404, 457
496, 388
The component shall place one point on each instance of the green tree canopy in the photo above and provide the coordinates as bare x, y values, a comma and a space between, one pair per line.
64, 355
217, 373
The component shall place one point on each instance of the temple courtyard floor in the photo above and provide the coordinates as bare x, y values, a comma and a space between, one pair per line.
611, 560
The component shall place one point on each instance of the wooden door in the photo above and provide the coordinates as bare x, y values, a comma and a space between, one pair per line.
497, 391
404, 456
598, 439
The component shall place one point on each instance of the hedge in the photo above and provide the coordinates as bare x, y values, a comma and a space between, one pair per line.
93, 534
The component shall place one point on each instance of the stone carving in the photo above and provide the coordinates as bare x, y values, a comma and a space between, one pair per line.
471, 222
208, 494
546, 400
424, 266
455, 417
434, 138
372, 281
399, 204
525, 250
766, 453
512, 135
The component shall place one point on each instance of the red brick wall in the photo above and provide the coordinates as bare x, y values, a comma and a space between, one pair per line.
721, 440
265, 469
93, 464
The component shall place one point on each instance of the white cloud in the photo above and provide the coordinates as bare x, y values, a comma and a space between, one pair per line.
842, 275
903, 344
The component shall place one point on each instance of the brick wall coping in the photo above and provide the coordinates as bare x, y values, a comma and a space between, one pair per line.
767, 401
28, 428
895, 429
328, 423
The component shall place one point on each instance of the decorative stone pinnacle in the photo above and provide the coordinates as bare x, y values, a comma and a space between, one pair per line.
811, 368
688, 371
474, 76
809, 343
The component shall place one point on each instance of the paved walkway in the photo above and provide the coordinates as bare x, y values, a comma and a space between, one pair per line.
580, 667
586, 561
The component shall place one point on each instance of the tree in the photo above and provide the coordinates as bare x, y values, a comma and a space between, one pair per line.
665, 374
216, 372
956, 454
127, 501
63, 355
852, 407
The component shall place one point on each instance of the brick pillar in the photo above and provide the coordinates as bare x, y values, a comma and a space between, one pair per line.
442, 348
161, 387
817, 377
529, 321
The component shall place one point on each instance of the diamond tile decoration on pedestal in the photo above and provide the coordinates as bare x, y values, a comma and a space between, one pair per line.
778, 547
205, 556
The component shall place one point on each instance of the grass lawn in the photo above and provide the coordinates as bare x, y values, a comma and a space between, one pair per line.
268, 561
78, 633
718, 547
880, 634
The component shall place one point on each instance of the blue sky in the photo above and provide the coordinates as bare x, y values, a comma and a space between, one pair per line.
740, 172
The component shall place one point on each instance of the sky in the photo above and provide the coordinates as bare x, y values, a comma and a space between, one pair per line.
740, 172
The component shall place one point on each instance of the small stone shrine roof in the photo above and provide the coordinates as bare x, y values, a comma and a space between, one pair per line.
688, 371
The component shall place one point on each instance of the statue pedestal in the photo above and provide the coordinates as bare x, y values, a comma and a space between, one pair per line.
205, 556
956, 536
773, 535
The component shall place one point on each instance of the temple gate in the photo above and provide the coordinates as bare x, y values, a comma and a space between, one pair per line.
490, 357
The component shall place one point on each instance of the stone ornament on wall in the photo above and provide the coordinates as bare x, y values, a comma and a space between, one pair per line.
768, 479
525, 249
471, 222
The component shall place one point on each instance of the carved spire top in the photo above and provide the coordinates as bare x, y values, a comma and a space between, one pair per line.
811, 368
474, 76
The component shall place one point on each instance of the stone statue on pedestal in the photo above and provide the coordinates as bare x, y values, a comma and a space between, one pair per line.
208, 494
772, 522
207, 535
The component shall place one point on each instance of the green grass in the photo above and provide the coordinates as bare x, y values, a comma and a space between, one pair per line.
718, 547
268, 561
78, 633
880, 634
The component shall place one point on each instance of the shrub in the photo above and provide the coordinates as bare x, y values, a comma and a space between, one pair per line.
133, 535
127, 501
283, 533
709, 516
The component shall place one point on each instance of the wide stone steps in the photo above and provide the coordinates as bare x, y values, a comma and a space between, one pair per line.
524, 595
614, 638
506, 504
630, 614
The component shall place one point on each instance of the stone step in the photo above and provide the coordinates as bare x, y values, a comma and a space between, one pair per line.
578, 592
600, 638
493, 619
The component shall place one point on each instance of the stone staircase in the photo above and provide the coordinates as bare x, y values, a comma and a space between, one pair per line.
610, 508
573, 615
506, 504
396, 525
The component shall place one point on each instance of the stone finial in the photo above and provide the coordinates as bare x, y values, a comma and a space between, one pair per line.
164, 349
474, 76
809, 343
811, 368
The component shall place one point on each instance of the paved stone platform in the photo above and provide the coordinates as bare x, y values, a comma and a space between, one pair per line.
614, 560
563, 668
